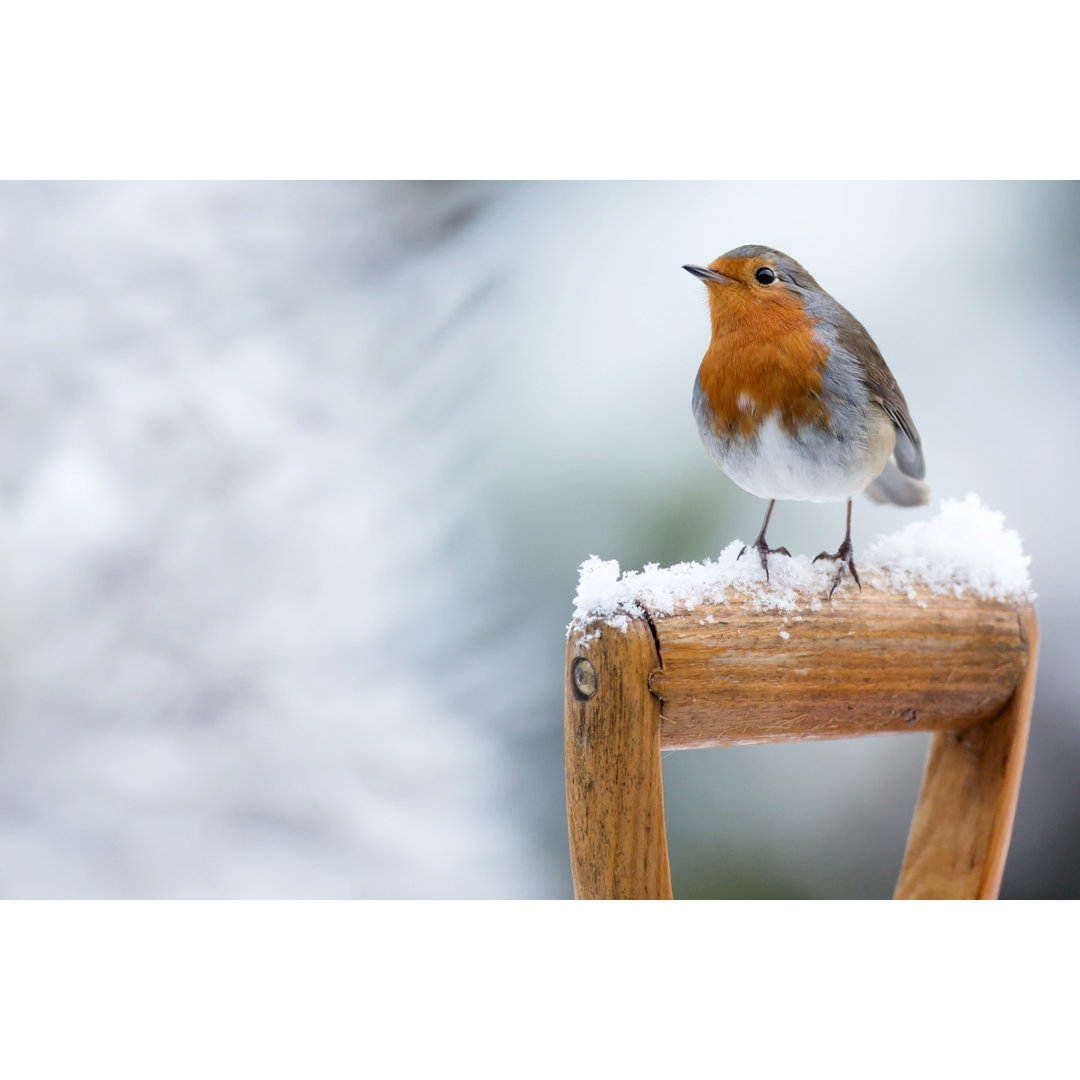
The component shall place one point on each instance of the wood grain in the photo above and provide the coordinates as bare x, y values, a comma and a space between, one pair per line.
866, 663
963, 822
614, 780
863, 664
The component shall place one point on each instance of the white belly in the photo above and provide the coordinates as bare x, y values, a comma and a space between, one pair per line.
815, 466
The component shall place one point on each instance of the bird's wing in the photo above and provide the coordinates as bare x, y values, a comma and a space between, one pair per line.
879, 380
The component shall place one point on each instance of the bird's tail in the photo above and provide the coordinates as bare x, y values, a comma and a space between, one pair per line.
893, 486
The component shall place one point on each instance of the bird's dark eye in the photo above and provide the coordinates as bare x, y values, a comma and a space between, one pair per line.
765, 276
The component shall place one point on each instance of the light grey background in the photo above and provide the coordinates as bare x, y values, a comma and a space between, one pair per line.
296, 479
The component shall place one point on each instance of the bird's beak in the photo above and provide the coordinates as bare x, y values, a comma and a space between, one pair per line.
706, 274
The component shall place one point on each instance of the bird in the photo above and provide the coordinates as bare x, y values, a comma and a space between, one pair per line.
793, 400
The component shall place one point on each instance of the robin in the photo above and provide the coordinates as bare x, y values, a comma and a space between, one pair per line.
793, 399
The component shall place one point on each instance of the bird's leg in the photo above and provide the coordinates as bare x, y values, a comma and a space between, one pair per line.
844, 555
762, 548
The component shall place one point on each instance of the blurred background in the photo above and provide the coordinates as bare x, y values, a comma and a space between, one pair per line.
296, 479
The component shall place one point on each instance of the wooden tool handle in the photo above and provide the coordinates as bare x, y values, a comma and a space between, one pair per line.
867, 663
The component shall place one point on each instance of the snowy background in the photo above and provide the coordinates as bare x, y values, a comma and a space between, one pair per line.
296, 480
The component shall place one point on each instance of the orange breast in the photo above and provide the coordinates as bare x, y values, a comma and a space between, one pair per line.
764, 362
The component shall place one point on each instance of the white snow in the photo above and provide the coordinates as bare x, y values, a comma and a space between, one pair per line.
964, 549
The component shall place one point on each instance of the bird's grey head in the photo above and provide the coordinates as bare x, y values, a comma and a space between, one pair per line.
753, 257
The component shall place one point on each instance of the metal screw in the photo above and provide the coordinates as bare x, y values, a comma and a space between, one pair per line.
583, 676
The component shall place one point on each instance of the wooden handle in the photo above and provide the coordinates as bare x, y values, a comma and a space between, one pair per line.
868, 663
614, 780
863, 664
963, 821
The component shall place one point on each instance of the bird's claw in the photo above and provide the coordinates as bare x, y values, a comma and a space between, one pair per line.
847, 562
764, 551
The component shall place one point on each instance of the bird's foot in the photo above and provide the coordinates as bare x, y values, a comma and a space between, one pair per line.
764, 551
847, 562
